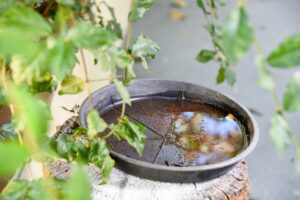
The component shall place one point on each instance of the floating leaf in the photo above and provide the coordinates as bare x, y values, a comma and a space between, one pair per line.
280, 131
205, 55
237, 35
291, 100
221, 75
134, 133
139, 9
78, 187
87, 35
123, 91
287, 53
71, 85
265, 79
95, 123
12, 156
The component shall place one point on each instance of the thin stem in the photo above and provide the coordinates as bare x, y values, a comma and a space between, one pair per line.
123, 110
87, 78
112, 130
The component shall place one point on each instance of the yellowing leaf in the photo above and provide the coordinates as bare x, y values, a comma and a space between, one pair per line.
71, 85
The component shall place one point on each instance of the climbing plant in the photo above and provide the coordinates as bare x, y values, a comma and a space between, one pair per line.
231, 39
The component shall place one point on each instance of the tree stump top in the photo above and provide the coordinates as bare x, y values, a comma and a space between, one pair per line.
232, 186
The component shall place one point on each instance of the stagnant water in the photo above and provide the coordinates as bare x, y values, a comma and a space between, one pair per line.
181, 132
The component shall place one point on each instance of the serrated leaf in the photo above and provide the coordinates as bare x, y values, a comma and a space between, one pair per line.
221, 75
287, 54
98, 152
205, 55
12, 155
87, 35
31, 112
291, 101
139, 9
25, 21
134, 133
78, 187
280, 131
95, 123
265, 79
122, 91
230, 76
71, 85
237, 35
144, 47
107, 167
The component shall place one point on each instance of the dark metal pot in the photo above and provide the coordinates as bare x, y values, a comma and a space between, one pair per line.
104, 97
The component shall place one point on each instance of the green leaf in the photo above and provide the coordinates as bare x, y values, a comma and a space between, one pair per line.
95, 123
107, 167
113, 25
47, 84
98, 152
287, 54
291, 100
25, 21
78, 187
230, 76
265, 79
63, 146
12, 156
6, 5
134, 133
82, 151
31, 112
205, 55
2, 98
66, 2
200, 3
123, 91
71, 85
139, 9
237, 35
280, 131
144, 47
221, 75
86, 35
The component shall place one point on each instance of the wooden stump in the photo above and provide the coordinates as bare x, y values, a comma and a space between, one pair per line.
232, 186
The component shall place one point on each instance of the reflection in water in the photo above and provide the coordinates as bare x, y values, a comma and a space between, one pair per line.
205, 139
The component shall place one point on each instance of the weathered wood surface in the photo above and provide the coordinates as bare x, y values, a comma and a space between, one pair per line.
232, 186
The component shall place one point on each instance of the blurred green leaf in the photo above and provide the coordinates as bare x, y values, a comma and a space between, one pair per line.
139, 9
200, 3
12, 156
113, 25
230, 76
287, 53
98, 152
123, 91
291, 100
78, 186
107, 167
25, 21
82, 151
134, 133
31, 112
2, 98
280, 131
47, 84
144, 47
95, 123
237, 35
71, 85
6, 5
205, 55
221, 75
87, 35
265, 79
62, 17
63, 146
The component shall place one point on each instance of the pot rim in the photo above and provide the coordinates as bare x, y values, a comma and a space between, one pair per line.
228, 162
